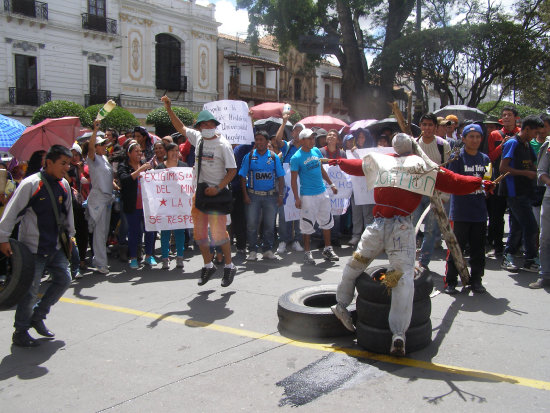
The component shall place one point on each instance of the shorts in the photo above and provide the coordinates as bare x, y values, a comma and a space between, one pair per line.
315, 208
202, 222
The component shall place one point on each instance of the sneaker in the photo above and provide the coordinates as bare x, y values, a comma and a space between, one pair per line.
150, 261
22, 338
495, 254
537, 284
78, 275
297, 247
397, 348
343, 315
228, 276
354, 240
308, 258
330, 255
450, 289
166, 263
102, 270
179, 262
134, 264
531, 265
268, 255
281, 249
206, 273
477, 287
508, 264
252, 256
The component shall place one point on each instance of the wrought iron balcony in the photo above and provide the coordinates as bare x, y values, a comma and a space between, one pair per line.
31, 97
90, 100
29, 8
98, 23
172, 85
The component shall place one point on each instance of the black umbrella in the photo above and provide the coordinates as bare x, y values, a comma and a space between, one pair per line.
271, 126
390, 123
461, 112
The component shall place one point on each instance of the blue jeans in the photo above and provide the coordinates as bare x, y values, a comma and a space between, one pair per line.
179, 235
431, 230
27, 310
285, 228
523, 226
136, 227
267, 207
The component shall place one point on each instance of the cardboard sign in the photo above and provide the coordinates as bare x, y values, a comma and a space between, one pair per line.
167, 198
361, 194
235, 124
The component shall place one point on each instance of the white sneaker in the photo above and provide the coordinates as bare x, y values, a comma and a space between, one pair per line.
282, 248
268, 255
308, 258
166, 263
179, 262
103, 270
252, 256
297, 247
343, 315
397, 348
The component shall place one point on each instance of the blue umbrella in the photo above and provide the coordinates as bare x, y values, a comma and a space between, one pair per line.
10, 131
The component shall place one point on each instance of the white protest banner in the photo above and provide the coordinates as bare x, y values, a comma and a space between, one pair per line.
235, 124
340, 201
167, 198
361, 194
291, 212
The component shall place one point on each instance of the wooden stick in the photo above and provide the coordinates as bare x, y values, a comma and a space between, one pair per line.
501, 177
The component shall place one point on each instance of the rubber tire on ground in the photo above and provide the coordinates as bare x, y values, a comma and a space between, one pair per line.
379, 340
376, 314
20, 275
298, 315
376, 292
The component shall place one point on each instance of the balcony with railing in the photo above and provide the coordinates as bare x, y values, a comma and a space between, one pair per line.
30, 97
334, 105
98, 23
30, 8
90, 100
241, 91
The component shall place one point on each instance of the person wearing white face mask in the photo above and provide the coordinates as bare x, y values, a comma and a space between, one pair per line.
218, 168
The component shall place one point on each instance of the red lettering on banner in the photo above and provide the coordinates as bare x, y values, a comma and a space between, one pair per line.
162, 189
155, 219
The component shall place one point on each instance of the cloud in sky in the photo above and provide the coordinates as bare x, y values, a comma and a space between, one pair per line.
233, 21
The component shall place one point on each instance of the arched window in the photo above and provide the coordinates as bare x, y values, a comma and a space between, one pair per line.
260, 78
168, 63
297, 89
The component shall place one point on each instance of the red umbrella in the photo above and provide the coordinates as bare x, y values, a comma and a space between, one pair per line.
268, 109
325, 122
60, 131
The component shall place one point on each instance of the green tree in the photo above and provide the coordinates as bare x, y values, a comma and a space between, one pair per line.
59, 109
365, 92
119, 118
160, 119
494, 108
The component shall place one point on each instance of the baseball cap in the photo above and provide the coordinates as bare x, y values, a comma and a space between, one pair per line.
306, 133
442, 121
452, 118
298, 125
99, 140
472, 128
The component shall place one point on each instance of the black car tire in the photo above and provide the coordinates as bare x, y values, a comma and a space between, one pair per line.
20, 273
376, 314
379, 340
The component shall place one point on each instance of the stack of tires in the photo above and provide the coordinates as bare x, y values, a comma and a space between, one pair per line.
373, 308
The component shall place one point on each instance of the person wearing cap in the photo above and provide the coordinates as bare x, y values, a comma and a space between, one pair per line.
74, 174
312, 199
218, 168
100, 198
263, 185
442, 124
468, 214
287, 150
451, 128
518, 158
392, 230
321, 138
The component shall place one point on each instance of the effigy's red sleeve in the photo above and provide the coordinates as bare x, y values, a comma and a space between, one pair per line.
453, 183
351, 166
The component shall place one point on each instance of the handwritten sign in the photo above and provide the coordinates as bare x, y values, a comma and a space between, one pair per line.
167, 198
361, 194
235, 124
291, 212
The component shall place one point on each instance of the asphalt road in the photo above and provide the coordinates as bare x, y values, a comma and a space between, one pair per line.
154, 341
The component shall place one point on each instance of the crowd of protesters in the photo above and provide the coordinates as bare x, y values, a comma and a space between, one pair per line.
107, 205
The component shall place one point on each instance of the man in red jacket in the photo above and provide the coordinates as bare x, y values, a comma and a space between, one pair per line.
399, 181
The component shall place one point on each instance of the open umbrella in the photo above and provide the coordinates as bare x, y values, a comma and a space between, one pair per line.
323, 121
86, 136
390, 123
462, 112
10, 131
59, 131
271, 126
267, 109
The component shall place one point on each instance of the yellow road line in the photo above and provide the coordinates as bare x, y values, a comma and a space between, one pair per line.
497, 377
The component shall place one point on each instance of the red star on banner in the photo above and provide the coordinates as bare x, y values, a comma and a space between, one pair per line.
163, 202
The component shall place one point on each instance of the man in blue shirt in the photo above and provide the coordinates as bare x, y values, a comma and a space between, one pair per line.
519, 159
312, 200
469, 212
263, 188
